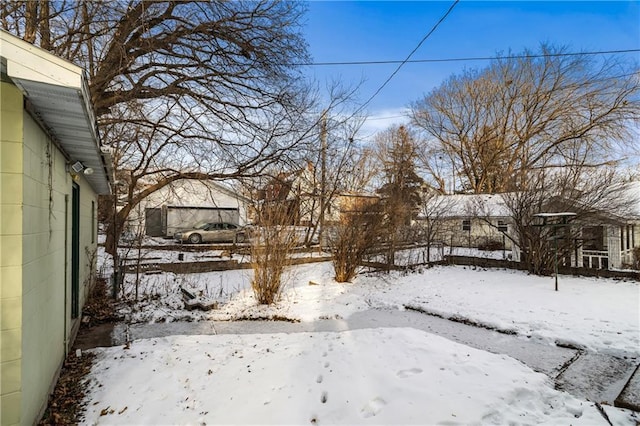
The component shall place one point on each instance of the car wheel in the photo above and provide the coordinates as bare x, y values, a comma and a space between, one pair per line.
195, 238
240, 238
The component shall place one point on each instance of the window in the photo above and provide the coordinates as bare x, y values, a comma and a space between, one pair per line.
502, 226
593, 238
466, 225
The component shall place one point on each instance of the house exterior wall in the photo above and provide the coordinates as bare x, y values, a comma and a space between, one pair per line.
450, 232
613, 246
36, 261
628, 236
11, 223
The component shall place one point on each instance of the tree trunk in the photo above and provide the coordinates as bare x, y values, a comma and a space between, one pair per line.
31, 22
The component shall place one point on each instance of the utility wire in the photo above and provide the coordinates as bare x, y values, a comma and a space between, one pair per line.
364, 105
467, 59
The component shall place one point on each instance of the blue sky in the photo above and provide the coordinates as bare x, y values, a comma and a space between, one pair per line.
382, 30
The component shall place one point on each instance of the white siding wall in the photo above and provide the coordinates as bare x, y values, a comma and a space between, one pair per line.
613, 246
47, 323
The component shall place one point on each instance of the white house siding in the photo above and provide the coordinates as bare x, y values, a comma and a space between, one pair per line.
47, 321
11, 220
450, 232
36, 265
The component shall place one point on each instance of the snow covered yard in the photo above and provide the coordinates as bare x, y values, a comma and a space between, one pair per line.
372, 376
594, 313
364, 376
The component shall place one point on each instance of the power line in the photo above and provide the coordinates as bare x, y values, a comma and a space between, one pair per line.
364, 105
387, 117
467, 59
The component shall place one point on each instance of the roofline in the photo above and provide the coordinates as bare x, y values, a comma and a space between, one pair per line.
32, 68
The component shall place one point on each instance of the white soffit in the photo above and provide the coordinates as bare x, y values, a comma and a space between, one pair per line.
59, 96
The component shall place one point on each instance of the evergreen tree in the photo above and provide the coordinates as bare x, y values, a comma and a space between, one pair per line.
401, 185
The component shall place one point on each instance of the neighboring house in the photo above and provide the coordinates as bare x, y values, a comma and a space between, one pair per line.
186, 202
608, 244
304, 193
349, 202
51, 171
468, 220
608, 238
603, 240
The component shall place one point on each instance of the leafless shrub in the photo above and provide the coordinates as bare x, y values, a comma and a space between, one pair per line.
271, 245
357, 231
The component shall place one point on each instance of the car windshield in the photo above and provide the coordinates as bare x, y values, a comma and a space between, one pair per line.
200, 225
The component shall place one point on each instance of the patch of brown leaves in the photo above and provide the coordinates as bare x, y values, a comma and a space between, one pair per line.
64, 406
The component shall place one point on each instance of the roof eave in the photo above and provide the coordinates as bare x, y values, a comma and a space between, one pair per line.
58, 94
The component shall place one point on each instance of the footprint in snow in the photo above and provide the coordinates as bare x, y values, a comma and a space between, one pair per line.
373, 407
403, 374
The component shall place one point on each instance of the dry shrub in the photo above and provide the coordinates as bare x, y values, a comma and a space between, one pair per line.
271, 245
636, 258
357, 232
99, 307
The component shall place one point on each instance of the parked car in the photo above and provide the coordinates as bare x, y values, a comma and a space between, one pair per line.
212, 232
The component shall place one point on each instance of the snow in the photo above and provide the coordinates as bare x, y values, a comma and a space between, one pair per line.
373, 376
377, 372
465, 205
592, 313
596, 314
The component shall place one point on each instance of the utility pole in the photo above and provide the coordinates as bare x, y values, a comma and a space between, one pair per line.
323, 176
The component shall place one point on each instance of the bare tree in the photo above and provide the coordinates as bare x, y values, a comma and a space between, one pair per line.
333, 168
182, 90
528, 112
434, 219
